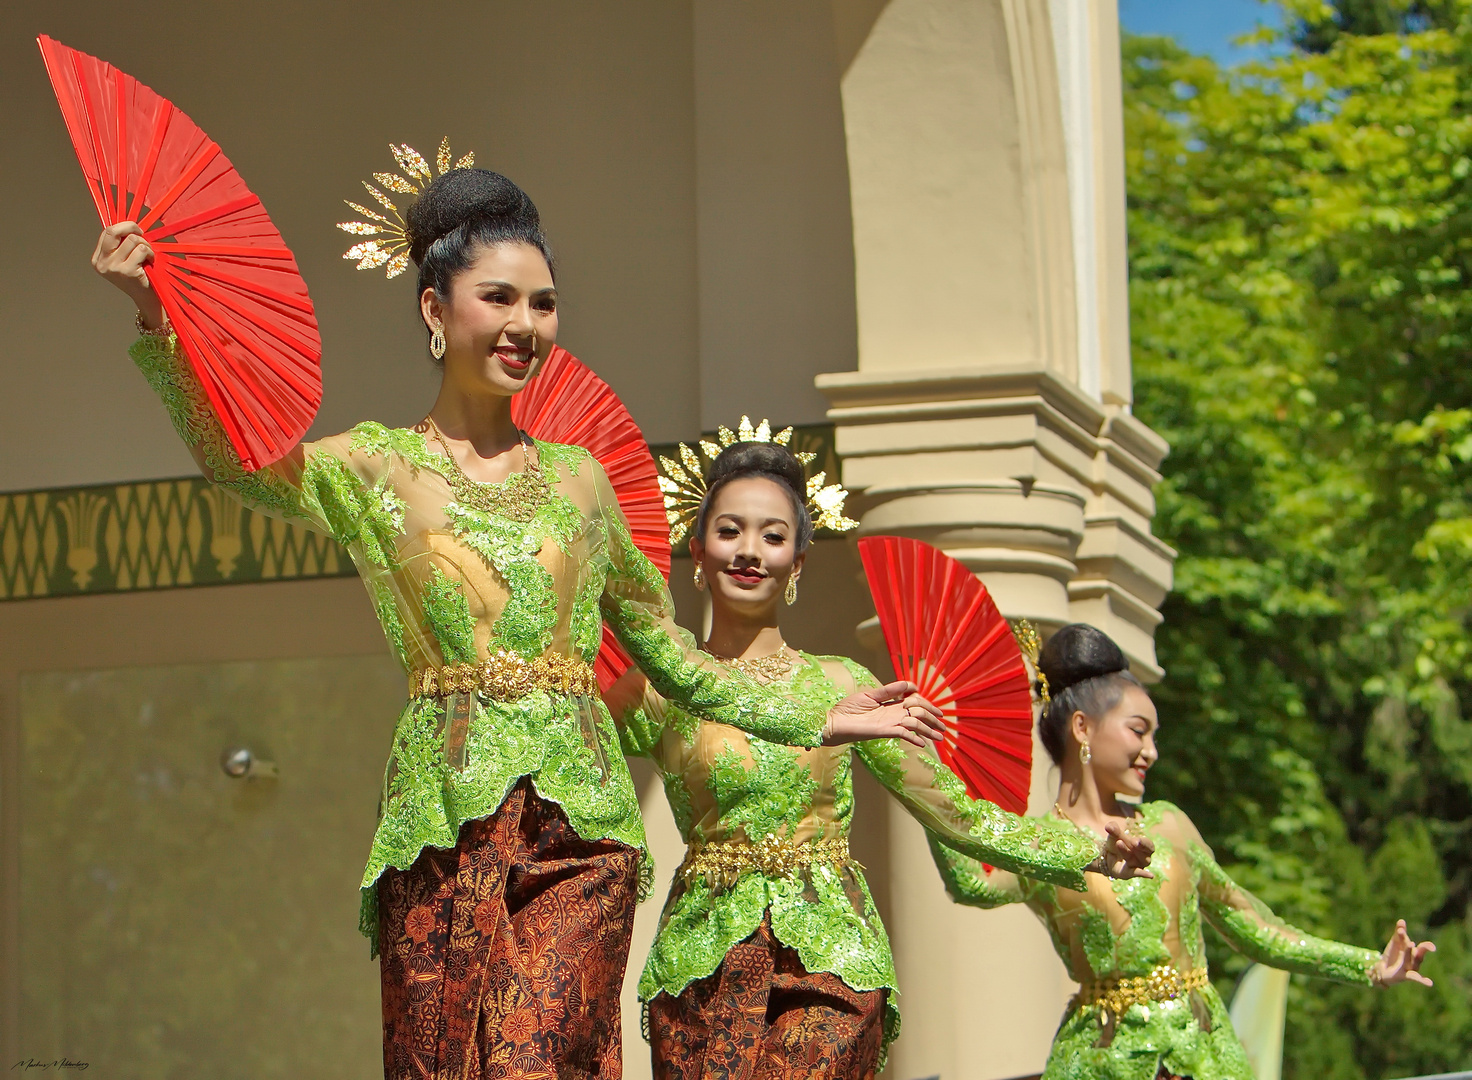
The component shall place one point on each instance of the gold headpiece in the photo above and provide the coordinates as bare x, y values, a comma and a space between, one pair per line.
1031, 644
683, 481
393, 247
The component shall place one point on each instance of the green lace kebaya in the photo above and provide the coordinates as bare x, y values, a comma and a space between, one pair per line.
1114, 930
455, 584
727, 786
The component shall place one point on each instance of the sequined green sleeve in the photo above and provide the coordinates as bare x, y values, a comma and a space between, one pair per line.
1252, 929
968, 881
172, 379
936, 797
638, 712
637, 606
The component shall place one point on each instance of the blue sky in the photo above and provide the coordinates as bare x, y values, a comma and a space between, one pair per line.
1200, 25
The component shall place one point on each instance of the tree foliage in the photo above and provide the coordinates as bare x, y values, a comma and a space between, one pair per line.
1301, 303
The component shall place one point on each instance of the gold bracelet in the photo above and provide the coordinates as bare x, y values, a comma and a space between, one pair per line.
163, 330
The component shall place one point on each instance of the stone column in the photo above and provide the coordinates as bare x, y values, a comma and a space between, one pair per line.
990, 412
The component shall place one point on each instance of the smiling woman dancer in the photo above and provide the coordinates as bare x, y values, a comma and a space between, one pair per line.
770, 960
501, 883
1146, 1008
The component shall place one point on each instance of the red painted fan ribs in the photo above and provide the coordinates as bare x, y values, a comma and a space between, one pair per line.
567, 403
945, 634
228, 282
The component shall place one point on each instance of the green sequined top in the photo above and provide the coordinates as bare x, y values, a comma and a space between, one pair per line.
1114, 929
452, 584
723, 785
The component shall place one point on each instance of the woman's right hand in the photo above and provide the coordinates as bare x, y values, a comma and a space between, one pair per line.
121, 255
896, 711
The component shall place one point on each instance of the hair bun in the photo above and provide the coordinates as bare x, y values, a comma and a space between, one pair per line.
461, 196
757, 458
1078, 652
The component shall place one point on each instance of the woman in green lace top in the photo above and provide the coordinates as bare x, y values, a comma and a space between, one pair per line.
1146, 1008
501, 882
770, 948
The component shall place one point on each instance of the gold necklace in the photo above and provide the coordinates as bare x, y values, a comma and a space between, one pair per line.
1132, 827
767, 668
517, 498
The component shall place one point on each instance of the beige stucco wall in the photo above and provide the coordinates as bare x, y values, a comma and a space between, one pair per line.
589, 106
688, 160
775, 236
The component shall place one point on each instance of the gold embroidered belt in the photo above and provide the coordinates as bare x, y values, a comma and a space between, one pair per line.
505, 676
1115, 996
775, 856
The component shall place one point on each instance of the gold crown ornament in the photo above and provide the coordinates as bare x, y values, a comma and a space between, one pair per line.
391, 250
1031, 644
683, 481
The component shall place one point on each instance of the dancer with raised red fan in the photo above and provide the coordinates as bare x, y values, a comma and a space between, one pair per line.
770, 959
1146, 1008
501, 881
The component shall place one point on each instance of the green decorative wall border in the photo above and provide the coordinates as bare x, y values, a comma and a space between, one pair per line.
171, 534
155, 534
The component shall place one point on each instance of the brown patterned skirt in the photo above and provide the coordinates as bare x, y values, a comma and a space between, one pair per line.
504, 956
763, 1016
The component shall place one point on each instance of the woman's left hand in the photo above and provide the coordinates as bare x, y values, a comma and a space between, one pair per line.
895, 711
1126, 853
1401, 960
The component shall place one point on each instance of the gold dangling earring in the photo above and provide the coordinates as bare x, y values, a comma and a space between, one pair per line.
437, 342
1085, 755
791, 594
699, 577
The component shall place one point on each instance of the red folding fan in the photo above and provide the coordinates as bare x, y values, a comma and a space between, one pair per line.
567, 403
946, 635
226, 279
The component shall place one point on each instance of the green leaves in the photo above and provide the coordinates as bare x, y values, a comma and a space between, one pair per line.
1301, 247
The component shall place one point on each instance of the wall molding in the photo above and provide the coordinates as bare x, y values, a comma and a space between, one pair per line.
181, 532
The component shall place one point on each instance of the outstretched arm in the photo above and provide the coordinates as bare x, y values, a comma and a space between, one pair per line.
1041, 848
1034, 847
1252, 928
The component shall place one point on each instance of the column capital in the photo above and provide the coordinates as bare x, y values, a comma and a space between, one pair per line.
1045, 492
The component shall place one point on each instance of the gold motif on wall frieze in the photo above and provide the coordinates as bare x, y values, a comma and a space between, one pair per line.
159, 534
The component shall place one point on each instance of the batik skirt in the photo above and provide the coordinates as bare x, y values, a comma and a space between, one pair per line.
762, 1015
504, 956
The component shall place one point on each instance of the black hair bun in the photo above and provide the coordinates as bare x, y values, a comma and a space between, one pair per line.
756, 459
1078, 652
464, 196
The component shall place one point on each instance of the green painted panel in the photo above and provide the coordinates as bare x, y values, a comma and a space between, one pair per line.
177, 923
